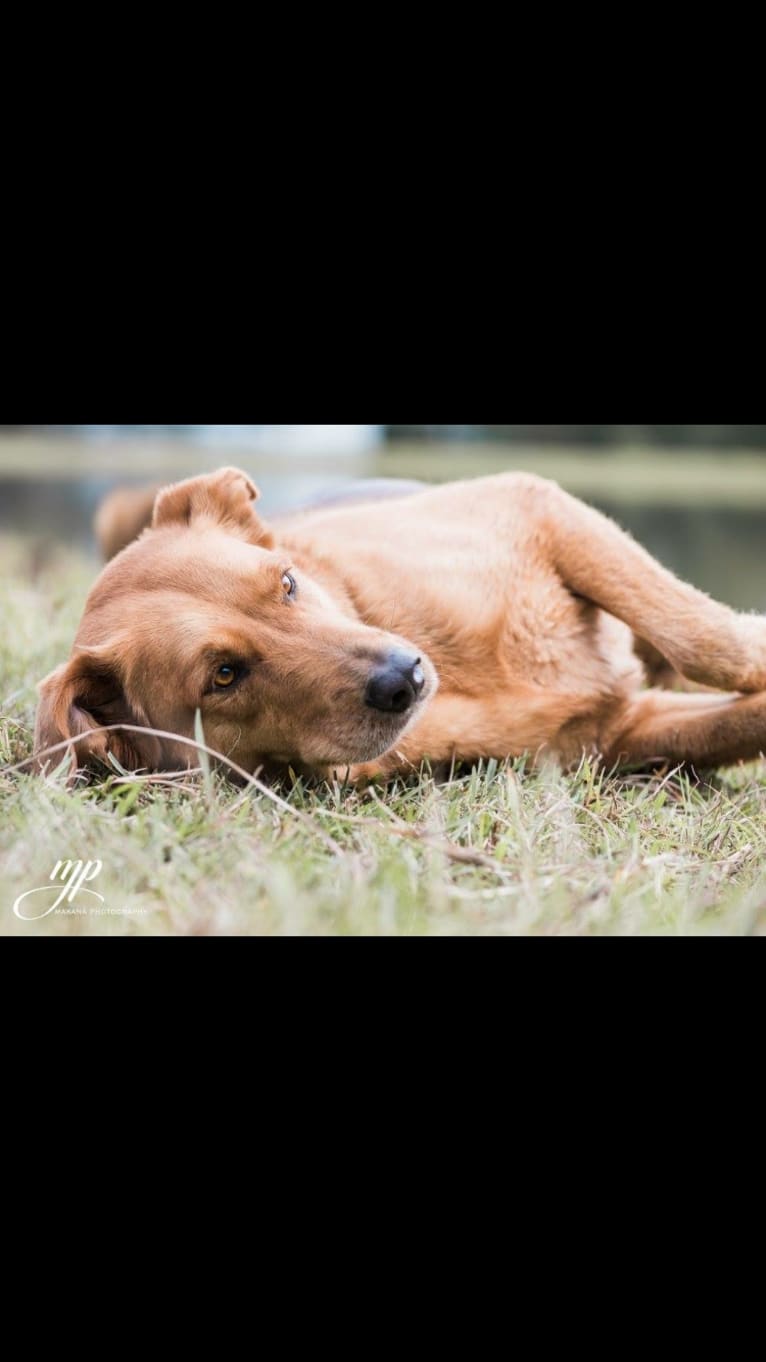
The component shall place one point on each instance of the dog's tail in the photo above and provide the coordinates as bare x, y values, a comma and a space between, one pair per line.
122, 517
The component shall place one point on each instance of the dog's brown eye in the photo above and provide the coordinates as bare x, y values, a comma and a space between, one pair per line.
225, 677
290, 585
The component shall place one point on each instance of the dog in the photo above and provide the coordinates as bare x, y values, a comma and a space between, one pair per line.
489, 618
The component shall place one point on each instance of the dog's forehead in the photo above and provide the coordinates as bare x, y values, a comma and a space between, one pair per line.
201, 562
180, 591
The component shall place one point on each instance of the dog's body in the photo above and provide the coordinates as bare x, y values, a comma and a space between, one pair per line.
489, 618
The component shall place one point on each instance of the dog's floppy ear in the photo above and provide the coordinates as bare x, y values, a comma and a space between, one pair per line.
79, 699
226, 498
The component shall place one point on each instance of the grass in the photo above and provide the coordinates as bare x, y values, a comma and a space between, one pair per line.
498, 850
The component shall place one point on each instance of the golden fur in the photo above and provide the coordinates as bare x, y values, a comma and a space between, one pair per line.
536, 619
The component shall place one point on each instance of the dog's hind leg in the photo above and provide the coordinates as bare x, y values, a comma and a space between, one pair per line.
704, 641
704, 731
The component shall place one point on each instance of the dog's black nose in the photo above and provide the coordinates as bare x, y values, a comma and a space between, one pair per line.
395, 686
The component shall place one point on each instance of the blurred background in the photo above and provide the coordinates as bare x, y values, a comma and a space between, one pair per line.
694, 495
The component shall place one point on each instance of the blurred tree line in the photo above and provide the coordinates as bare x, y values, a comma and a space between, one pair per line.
753, 437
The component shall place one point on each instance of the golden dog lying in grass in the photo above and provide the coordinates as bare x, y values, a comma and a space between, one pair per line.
488, 618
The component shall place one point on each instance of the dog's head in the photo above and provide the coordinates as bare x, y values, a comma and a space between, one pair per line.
206, 612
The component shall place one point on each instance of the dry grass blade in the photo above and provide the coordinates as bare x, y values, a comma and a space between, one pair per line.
200, 748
